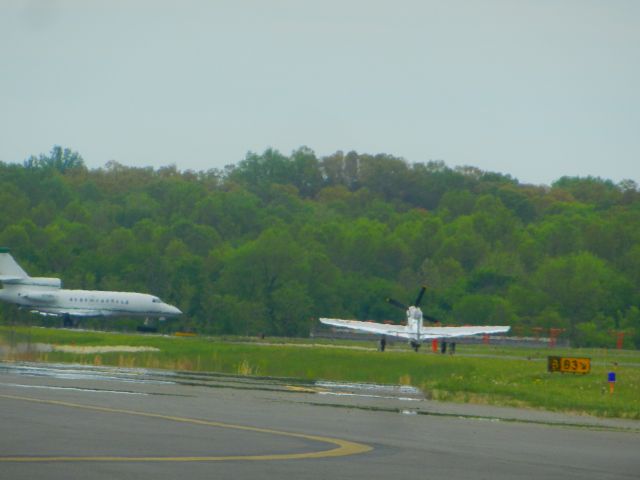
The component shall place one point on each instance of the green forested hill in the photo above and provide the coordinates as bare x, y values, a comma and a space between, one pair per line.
268, 244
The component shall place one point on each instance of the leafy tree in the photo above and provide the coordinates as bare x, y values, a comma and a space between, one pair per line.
494, 221
461, 242
265, 245
580, 286
10, 195
457, 202
58, 159
592, 190
483, 310
260, 269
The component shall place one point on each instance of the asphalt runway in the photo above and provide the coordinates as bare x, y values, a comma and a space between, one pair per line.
67, 422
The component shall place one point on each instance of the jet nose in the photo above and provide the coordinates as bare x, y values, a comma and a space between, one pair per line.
174, 310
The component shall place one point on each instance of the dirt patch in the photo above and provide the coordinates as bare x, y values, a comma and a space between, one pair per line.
88, 349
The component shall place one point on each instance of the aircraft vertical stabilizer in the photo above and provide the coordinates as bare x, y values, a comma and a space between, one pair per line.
9, 267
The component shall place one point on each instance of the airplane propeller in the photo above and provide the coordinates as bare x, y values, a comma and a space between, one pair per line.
396, 303
420, 295
419, 298
430, 318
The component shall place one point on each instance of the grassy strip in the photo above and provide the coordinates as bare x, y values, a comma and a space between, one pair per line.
491, 375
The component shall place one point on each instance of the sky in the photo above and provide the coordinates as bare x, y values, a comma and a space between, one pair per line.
537, 89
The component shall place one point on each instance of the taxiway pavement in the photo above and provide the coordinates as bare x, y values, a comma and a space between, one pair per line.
67, 422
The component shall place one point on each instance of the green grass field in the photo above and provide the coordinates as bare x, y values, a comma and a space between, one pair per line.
487, 374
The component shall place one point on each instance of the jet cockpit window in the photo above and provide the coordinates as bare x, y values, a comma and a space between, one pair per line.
156, 300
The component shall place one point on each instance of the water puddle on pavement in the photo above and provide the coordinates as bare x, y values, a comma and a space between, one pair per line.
369, 390
79, 372
99, 376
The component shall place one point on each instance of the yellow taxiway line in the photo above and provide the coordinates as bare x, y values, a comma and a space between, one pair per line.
343, 447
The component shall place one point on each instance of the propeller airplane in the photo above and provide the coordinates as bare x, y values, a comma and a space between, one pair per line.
414, 331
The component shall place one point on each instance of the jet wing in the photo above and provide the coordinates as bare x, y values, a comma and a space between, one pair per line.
370, 327
450, 332
56, 312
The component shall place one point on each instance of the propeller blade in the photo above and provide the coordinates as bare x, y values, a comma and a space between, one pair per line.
396, 303
430, 318
420, 295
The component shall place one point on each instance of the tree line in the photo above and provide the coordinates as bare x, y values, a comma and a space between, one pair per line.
267, 245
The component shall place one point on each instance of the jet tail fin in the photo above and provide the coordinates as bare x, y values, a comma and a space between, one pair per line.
9, 268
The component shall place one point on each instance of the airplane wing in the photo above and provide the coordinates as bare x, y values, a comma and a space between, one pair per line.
450, 332
57, 312
370, 327
425, 334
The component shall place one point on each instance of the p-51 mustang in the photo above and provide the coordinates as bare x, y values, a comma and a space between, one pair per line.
414, 331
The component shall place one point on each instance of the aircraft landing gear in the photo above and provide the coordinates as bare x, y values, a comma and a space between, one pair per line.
147, 327
415, 345
67, 322
383, 343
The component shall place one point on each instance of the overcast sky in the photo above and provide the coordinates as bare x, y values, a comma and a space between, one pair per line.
534, 88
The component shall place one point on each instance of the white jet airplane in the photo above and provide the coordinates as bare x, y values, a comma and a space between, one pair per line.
414, 331
47, 297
